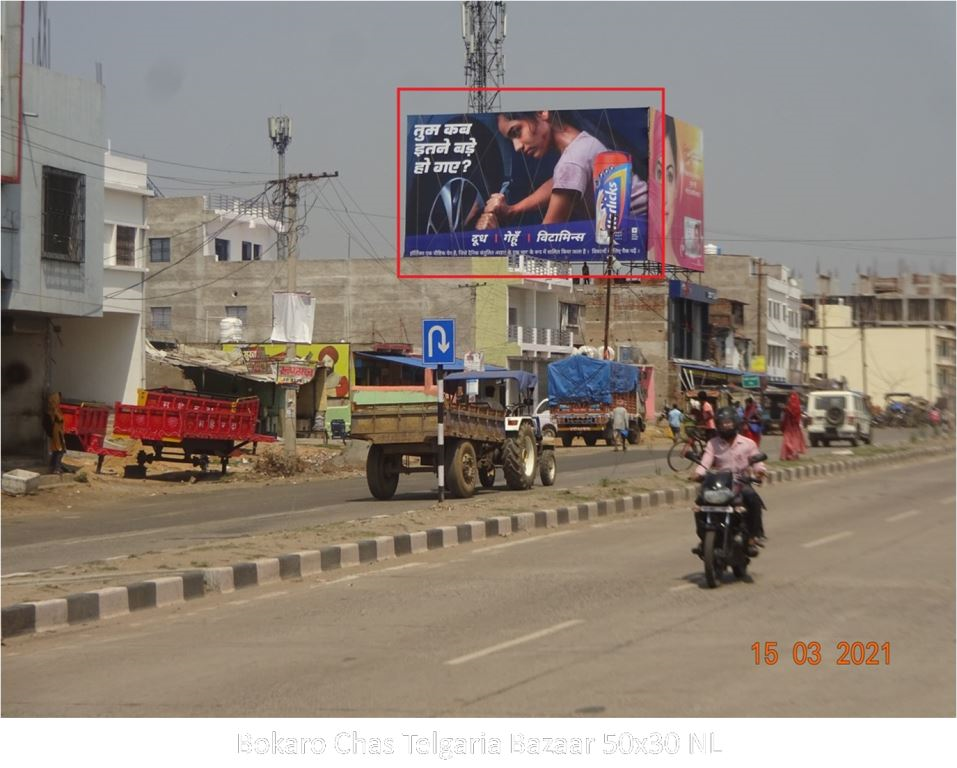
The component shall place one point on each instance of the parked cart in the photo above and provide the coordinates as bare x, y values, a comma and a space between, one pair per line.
84, 427
189, 427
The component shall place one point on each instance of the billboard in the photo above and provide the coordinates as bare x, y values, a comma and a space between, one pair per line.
490, 184
681, 173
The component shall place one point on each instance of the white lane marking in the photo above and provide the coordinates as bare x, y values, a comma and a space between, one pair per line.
516, 641
683, 587
271, 595
497, 547
902, 515
827, 539
354, 576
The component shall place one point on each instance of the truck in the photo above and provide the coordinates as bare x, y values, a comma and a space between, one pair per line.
583, 392
482, 433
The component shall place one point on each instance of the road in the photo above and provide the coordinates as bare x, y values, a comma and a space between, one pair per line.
90, 532
609, 619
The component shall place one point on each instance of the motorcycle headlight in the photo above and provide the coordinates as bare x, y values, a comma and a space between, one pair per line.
717, 496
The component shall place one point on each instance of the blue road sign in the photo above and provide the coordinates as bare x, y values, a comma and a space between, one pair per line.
438, 341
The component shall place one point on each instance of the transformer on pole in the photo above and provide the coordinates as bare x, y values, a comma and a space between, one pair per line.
483, 30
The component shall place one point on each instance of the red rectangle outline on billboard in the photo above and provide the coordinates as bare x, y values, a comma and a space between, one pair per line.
465, 89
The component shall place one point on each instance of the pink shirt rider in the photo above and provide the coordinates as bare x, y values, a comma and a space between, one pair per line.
707, 415
735, 455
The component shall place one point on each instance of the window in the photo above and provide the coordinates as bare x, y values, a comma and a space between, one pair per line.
64, 214
237, 312
570, 314
126, 246
159, 249
222, 250
257, 252
161, 318
247, 251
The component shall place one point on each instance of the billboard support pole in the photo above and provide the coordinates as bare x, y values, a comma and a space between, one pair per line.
611, 245
440, 442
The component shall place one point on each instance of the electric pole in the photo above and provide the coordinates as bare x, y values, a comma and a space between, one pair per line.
483, 30
280, 132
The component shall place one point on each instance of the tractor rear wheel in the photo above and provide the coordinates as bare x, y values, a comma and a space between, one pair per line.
520, 459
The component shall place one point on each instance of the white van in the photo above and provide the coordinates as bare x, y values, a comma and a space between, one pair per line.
838, 415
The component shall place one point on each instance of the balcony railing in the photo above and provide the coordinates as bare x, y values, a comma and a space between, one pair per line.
239, 206
540, 337
528, 265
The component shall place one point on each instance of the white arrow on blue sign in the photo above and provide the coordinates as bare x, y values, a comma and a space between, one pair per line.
438, 341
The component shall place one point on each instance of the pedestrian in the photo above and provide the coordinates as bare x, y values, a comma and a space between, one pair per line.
792, 433
706, 416
753, 420
586, 274
53, 425
619, 423
934, 418
675, 418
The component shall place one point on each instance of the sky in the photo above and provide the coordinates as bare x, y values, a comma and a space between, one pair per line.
829, 128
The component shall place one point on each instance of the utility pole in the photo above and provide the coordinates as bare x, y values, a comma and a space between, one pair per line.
612, 223
280, 132
862, 305
761, 307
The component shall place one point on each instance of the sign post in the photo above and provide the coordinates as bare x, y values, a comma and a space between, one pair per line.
438, 349
749, 381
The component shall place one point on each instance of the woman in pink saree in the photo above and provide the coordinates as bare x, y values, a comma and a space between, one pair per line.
792, 441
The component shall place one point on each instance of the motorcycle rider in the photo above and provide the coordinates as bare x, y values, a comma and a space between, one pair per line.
732, 450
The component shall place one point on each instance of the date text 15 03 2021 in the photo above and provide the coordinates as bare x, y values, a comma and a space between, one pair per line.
845, 653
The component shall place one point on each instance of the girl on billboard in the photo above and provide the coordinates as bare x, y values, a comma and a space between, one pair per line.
666, 173
570, 194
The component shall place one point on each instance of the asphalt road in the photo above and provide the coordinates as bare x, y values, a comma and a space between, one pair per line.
98, 531
609, 619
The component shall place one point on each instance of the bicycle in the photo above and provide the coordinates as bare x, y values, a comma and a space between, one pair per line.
694, 442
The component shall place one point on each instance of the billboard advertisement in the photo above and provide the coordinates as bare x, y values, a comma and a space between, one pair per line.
681, 173
492, 183
542, 183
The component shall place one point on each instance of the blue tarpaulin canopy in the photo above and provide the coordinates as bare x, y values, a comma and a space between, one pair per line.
585, 379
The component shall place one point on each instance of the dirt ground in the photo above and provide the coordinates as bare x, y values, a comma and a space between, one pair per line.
80, 485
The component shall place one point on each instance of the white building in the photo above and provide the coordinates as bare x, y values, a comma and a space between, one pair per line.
72, 275
783, 324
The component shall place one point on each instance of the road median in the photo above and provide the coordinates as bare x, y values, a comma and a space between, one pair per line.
56, 598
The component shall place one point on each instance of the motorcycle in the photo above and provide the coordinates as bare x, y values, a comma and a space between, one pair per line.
720, 522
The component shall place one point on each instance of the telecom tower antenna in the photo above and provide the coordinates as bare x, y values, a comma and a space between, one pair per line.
483, 30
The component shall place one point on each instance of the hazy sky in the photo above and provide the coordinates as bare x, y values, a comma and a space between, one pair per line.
822, 121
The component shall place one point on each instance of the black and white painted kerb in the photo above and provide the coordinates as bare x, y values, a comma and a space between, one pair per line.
110, 602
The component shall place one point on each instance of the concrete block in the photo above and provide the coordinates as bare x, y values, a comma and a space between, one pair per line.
114, 601
410, 543
385, 547
348, 555
442, 537
19, 619
546, 518
267, 570
330, 558
602, 508
51, 614
523, 521
498, 526
194, 585
245, 575
84, 606
310, 562
219, 579
475, 528
19, 482
168, 590
564, 515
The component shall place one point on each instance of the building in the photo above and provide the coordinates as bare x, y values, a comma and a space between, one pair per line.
895, 334
770, 296
72, 281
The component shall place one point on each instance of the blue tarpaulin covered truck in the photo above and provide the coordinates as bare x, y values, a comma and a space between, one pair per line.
583, 392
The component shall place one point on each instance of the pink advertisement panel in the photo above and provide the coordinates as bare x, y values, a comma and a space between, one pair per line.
681, 173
